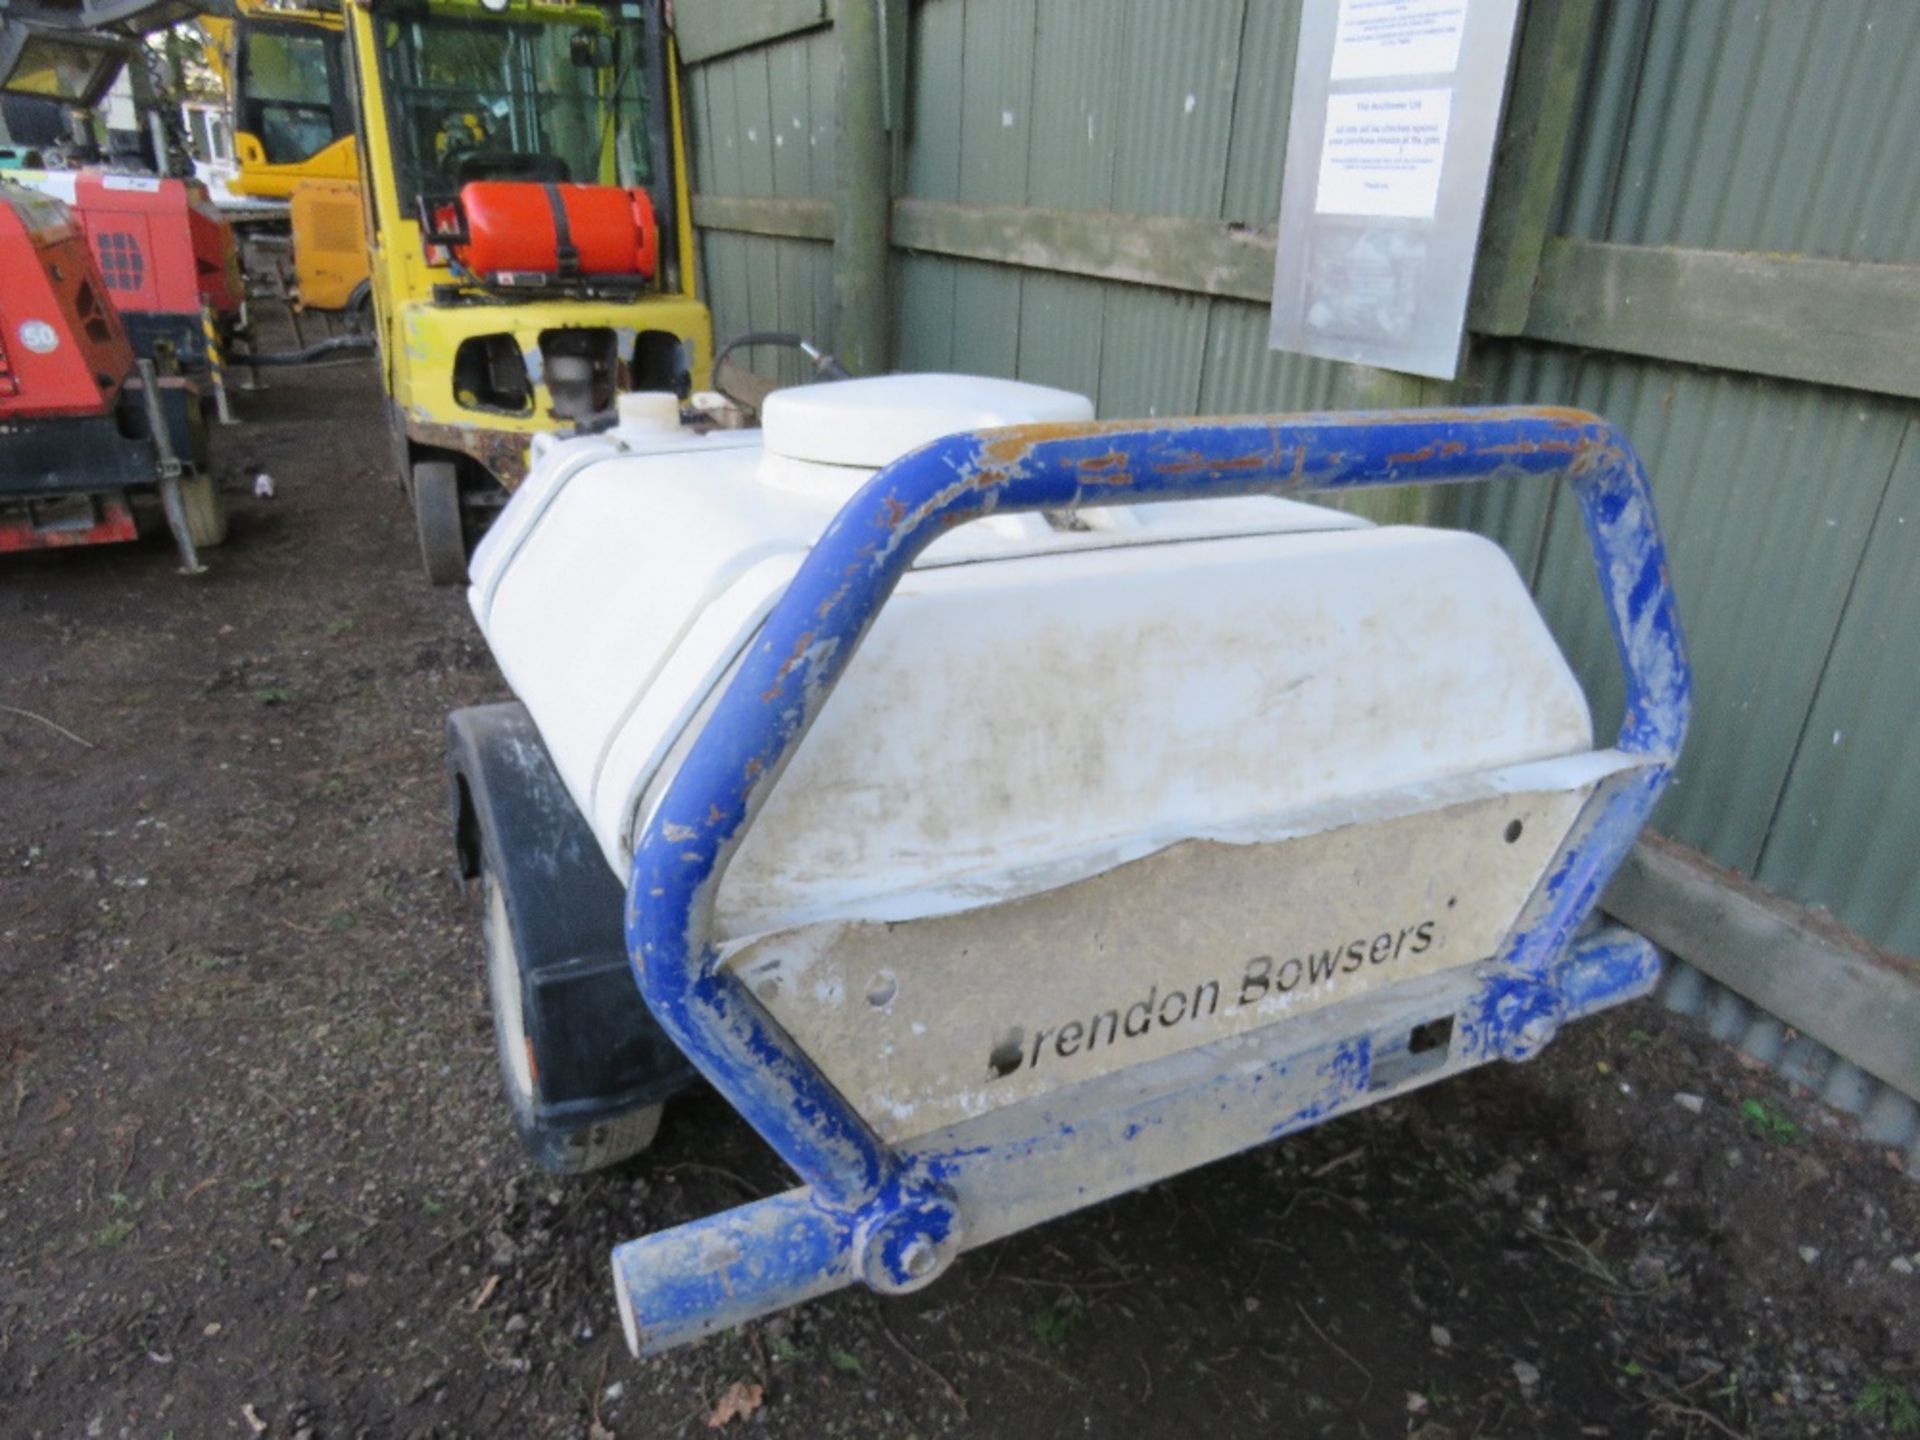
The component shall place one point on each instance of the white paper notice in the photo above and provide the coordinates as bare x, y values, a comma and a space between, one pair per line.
1397, 37
1382, 153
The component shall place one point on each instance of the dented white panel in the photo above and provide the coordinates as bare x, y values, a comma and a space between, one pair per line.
1010, 728
929, 1022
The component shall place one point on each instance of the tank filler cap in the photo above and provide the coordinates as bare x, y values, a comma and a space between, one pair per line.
873, 422
653, 411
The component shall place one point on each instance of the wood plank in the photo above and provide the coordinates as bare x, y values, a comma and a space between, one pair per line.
783, 217
1205, 257
1833, 322
1806, 968
715, 27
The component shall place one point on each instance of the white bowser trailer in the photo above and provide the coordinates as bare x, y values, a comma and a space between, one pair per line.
1004, 810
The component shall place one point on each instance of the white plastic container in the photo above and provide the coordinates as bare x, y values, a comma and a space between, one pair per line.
1042, 697
1084, 757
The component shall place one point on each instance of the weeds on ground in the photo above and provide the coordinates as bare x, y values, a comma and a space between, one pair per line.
1769, 1122
1054, 1322
1892, 1405
784, 1350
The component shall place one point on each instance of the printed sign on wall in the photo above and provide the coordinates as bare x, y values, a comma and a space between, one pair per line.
1396, 110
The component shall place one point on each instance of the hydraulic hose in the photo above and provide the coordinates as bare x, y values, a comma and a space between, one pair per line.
319, 350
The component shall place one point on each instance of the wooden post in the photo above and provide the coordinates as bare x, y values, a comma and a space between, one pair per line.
863, 200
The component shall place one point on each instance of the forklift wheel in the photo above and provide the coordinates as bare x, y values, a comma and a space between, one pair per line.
206, 516
554, 1146
436, 514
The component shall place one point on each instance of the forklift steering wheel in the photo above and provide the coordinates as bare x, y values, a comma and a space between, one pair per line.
459, 134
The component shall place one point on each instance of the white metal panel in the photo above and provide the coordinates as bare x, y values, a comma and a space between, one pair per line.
924, 1023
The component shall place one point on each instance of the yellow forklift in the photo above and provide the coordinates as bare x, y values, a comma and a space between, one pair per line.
523, 178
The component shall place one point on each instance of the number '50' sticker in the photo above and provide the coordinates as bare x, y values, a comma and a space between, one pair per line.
39, 337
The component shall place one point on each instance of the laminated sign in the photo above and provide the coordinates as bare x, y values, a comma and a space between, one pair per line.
1396, 111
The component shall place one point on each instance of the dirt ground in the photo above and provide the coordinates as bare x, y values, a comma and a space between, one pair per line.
256, 1177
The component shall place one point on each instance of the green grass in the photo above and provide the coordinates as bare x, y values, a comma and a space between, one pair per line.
1054, 1323
1891, 1404
783, 1349
1769, 1122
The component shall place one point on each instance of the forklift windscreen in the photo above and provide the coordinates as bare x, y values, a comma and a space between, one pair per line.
549, 94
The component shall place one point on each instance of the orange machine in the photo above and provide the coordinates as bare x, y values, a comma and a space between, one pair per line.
164, 251
83, 420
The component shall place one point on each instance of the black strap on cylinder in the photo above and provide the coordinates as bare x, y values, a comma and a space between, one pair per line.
568, 257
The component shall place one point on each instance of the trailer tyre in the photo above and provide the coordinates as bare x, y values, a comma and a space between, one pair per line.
206, 514
436, 515
555, 1147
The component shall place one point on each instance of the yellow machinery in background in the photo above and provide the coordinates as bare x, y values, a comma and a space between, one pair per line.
286, 74
524, 178
330, 267
285, 69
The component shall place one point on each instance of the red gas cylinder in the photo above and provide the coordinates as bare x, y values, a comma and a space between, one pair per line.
525, 227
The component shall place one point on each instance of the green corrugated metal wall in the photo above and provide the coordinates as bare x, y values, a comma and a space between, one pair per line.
760, 122
1134, 106
1792, 511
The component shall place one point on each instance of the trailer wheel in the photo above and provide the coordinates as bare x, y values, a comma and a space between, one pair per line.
556, 1147
436, 515
206, 514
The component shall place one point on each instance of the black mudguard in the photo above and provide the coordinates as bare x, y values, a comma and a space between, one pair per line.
598, 1049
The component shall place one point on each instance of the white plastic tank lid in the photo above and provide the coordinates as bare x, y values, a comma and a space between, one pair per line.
648, 409
873, 422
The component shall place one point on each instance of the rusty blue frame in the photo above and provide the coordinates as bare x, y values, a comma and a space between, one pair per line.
874, 1214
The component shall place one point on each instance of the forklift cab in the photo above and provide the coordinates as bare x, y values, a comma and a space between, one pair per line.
531, 247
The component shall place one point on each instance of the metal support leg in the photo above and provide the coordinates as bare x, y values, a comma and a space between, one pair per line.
177, 522
167, 472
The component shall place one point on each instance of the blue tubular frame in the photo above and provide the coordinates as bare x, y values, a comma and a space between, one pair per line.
891, 1226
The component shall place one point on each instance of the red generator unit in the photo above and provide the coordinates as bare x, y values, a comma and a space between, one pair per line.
164, 251
83, 420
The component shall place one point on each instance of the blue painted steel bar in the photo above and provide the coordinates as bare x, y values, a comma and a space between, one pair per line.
813, 632
726, 1269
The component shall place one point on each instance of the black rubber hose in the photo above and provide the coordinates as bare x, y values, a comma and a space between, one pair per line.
823, 363
319, 350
